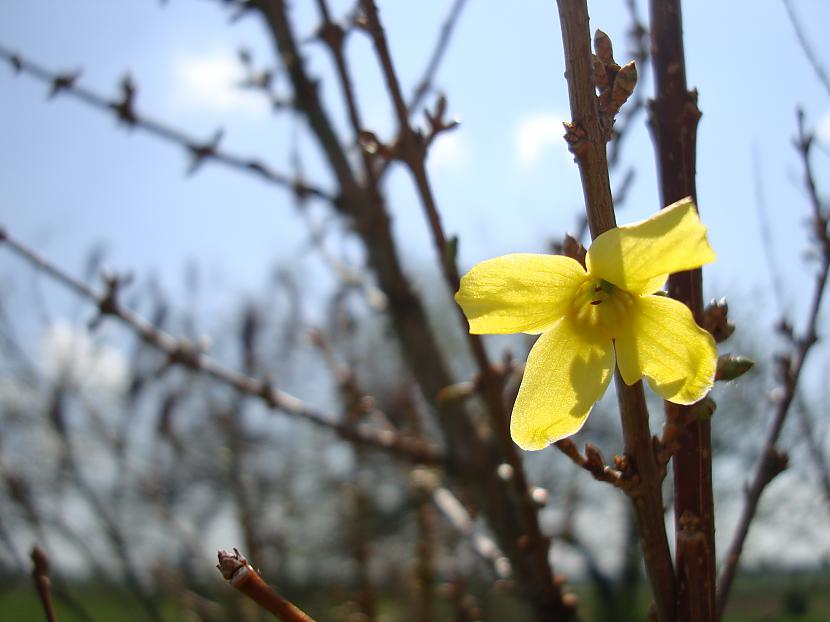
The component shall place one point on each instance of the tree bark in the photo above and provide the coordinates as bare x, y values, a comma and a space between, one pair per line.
673, 117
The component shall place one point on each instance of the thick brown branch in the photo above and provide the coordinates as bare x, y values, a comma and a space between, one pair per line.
674, 117
586, 137
411, 147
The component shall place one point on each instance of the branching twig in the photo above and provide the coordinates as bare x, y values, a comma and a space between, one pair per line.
182, 352
123, 109
244, 578
773, 460
592, 462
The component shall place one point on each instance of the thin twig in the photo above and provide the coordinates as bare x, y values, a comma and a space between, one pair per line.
182, 352
40, 575
592, 462
125, 112
773, 460
244, 578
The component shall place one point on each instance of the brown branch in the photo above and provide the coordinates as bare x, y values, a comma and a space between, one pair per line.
183, 353
586, 135
673, 116
244, 578
124, 111
40, 575
472, 461
367, 210
411, 148
772, 460
592, 462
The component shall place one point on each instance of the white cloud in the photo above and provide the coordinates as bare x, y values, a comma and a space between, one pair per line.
211, 81
70, 355
449, 151
538, 135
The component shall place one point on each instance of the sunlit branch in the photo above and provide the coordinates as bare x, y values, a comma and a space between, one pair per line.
587, 135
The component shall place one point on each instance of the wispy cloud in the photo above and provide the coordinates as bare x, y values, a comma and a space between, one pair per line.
210, 81
538, 136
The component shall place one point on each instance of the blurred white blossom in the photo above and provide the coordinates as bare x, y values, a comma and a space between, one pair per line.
70, 355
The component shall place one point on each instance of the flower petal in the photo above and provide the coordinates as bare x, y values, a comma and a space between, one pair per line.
565, 374
662, 342
518, 293
639, 257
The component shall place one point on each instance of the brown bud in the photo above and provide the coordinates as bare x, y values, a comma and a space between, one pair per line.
716, 320
603, 47
624, 83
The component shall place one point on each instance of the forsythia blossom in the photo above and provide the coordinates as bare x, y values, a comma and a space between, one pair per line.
587, 319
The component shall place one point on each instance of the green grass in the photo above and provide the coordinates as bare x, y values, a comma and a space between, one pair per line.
795, 597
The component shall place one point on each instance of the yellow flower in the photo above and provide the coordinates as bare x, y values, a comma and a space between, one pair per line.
585, 317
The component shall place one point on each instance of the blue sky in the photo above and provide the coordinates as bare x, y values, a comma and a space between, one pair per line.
504, 179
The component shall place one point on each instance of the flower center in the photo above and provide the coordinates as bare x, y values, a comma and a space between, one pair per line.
600, 307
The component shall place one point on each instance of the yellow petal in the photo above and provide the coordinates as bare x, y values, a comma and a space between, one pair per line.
662, 342
566, 372
639, 257
521, 293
